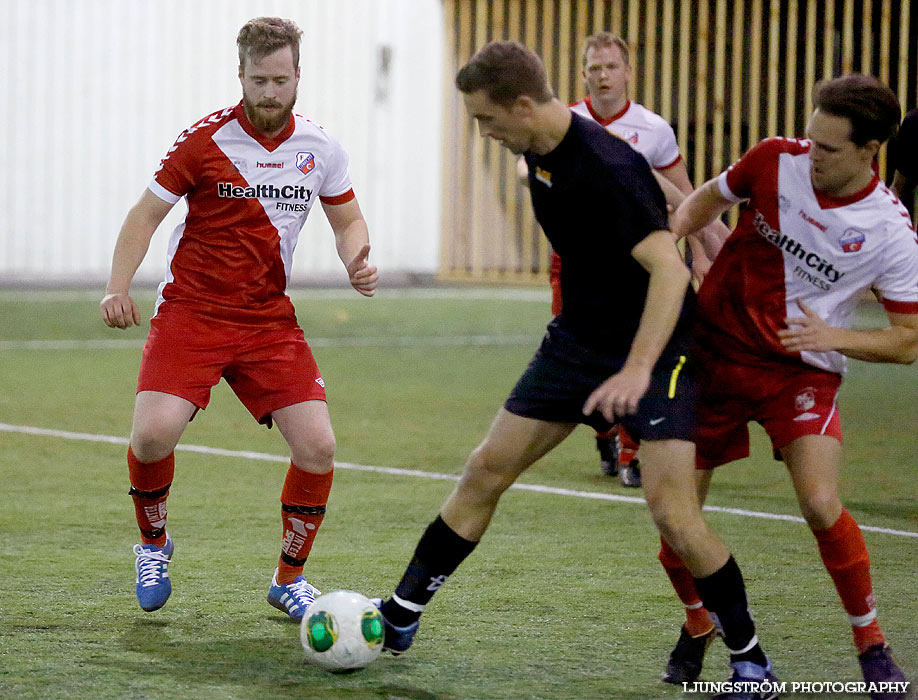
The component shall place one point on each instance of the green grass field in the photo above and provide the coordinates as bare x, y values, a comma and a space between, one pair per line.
564, 598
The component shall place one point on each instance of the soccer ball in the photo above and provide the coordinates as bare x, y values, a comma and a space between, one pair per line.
342, 631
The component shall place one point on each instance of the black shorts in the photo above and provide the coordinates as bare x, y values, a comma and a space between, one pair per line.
564, 372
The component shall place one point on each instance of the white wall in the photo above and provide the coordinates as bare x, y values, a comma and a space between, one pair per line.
93, 93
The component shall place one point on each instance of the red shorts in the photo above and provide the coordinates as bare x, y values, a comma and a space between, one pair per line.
267, 367
788, 400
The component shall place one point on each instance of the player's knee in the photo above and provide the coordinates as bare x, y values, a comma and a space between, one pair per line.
661, 508
677, 523
486, 472
151, 443
315, 455
820, 508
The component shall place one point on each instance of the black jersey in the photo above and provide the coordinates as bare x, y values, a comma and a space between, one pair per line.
596, 198
903, 150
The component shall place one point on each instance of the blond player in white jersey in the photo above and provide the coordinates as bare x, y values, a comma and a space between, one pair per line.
250, 174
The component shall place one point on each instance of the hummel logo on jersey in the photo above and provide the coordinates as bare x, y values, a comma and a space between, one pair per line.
810, 220
789, 245
268, 165
228, 189
807, 416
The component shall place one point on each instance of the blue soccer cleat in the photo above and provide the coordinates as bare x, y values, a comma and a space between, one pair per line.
153, 584
750, 682
292, 598
397, 639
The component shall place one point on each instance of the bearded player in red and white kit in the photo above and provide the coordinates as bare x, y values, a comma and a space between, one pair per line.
817, 228
250, 175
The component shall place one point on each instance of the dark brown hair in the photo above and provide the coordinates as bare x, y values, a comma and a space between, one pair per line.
505, 70
870, 106
262, 36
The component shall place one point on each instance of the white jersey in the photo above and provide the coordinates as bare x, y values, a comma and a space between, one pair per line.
794, 243
248, 197
647, 132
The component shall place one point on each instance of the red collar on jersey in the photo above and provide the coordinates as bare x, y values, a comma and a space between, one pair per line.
588, 101
827, 201
270, 143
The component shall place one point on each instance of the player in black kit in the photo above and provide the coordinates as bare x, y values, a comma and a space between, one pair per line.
599, 205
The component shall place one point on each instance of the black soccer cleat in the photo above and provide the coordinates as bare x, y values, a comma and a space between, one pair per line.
608, 455
684, 665
878, 666
630, 475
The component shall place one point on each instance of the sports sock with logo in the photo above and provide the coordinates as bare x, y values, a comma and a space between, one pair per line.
724, 594
150, 482
438, 554
697, 620
303, 502
844, 553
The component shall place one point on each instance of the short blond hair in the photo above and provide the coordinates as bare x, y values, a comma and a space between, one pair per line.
606, 40
262, 36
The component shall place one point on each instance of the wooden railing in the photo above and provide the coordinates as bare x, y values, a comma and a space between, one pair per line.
724, 73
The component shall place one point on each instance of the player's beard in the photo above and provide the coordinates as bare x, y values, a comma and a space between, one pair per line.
268, 122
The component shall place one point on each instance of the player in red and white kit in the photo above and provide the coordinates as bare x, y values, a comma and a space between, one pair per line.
817, 228
607, 72
250, 175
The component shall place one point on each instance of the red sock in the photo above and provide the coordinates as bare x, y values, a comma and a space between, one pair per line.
629, 448
844, 554
697, 620
303, 502
150, 482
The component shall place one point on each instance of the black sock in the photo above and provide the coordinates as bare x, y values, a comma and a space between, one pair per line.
724, 594
437, 555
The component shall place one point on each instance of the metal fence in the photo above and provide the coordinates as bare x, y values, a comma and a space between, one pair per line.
724, 73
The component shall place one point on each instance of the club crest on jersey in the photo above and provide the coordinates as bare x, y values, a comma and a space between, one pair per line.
543, 176
851, 240
305, 162
629, 136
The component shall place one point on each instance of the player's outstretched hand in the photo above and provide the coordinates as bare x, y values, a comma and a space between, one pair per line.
807, 333
619, 395
362, 275
119, 311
